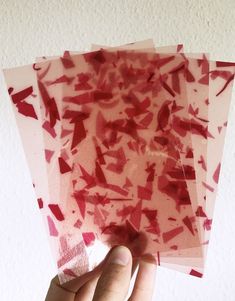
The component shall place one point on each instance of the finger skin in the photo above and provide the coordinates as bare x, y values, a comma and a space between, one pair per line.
144, 283
56, 293
86, 292
68, 290
114, 282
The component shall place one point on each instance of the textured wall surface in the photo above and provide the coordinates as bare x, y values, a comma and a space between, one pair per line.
30, 28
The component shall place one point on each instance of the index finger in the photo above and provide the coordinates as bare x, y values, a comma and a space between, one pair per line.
144, 284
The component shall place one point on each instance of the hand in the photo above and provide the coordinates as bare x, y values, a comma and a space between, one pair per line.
110, 281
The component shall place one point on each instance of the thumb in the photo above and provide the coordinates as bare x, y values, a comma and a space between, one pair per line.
114, 282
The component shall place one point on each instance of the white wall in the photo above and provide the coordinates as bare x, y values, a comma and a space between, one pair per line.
30, 28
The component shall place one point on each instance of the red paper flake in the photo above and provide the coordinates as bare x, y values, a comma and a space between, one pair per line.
195, 273
125, 212
158, 258
79, 134
204, 80
161, 140
36, 68
60, 80
40, 203
226, 84
49, 104
187, 172
83, 86
49, 129
167, 88
26, 109
52, 228
151, 171
163, 116
183, 126
64, 167
80, 197
80, 99
69, 272
200, 212
207, 224
176, 83
67, 60
167, 236
89, 179
101, 95
176, 189
48, 155
188, 224
153, 226
147, 119
120, 160
78, 224
55, 209
21, 95
99, 174
99, 199
189, 153
188, 75
202, 162
99, 217
160, 62
116, 189
193, 111
216, 174
224, 64
144, 193
100, 155
135, 217
211, 189
179, 47
89, 238
171, 219
128, 184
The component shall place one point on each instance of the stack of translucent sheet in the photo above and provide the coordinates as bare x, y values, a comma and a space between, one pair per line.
124, 146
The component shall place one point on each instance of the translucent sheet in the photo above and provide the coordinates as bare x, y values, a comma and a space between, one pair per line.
106, 171
83, 158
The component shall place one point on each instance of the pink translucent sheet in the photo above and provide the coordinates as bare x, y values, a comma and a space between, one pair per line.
198, 109
82, 152
50, 113
57, 212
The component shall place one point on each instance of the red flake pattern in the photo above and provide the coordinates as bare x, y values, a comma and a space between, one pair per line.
89, 238
216, 174
55, 209
48, 155
188, 223
64, 167
40, 203
21, 95
167, 236
195, 273
26, 109
52, 228
70, 253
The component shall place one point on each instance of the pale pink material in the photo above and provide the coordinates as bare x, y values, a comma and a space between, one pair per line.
141, 140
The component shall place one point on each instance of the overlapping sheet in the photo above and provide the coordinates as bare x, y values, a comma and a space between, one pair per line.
119, 142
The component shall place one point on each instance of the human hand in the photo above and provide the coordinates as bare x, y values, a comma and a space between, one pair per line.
110, 281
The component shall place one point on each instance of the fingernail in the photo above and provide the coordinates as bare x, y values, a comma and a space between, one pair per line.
120, 255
